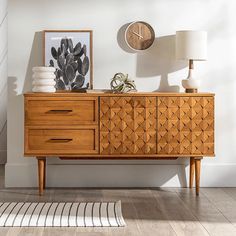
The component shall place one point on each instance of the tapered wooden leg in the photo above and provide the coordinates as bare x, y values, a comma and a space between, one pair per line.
41, 173
44, 174
191, 171
197, 174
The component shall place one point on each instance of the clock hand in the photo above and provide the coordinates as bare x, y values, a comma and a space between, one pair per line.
139, 29
140, 36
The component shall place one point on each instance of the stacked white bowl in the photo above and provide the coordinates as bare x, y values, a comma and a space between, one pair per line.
44, 79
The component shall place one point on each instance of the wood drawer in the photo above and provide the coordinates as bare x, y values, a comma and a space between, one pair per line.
76, 111
44, 141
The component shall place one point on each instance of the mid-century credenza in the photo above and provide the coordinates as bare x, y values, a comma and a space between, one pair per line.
119, 126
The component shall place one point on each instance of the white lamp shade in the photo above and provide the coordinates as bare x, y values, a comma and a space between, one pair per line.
191, 45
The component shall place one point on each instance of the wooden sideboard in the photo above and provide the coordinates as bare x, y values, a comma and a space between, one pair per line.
119, 126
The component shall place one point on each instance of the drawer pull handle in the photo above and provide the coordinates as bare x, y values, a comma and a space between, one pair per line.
60, 140
61, 111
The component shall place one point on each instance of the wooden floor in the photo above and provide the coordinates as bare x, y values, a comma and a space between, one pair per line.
159, 211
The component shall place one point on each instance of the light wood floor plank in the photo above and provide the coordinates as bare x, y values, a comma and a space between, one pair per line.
151, 219
224, 202
207, 214
147, 212
231, 192
128, 211
179, 216
4, 231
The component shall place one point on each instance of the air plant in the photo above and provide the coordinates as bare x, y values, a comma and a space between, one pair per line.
73, 65
121, 83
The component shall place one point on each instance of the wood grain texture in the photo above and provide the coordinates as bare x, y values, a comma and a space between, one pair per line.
59, 94
224, 200
120, 126
191, 171
46, 111
41, 174
179, 217
44, 174
156, 211
197, 174
206, 210
58, 141
128, 125
186, 125
139, 35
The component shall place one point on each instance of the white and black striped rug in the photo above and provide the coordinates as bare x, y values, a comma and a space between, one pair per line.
48, 214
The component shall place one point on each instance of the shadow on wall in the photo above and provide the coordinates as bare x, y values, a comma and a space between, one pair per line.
15, 119
158, 60
12, 86
36, 59
16, 99
121, 39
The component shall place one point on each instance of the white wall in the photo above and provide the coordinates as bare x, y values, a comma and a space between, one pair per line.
3, 81
154, 69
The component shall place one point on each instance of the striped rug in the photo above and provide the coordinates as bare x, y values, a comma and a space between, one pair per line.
48, 214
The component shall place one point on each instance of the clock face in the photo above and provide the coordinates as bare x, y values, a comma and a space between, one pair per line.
139, 35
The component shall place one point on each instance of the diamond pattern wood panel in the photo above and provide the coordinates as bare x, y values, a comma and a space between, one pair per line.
128, 125
185, 125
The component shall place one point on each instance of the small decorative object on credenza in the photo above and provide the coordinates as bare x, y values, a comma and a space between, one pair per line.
191, 45
70, 52
44, 79
121, 83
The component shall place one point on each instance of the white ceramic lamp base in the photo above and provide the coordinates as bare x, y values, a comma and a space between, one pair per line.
190, 84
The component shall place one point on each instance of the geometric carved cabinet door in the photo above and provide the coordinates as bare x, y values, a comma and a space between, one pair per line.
128, 125
185, 125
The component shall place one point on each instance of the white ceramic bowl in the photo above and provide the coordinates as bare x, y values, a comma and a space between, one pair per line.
191, 83
44, 82
43, 69
44, 89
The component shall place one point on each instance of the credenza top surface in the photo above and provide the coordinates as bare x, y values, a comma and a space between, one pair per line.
105, 94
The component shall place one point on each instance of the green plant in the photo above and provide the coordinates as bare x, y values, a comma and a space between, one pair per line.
122, 84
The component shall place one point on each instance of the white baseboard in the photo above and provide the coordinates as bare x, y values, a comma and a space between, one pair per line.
176, 175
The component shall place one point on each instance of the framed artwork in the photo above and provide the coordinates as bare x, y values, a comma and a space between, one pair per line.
70, 52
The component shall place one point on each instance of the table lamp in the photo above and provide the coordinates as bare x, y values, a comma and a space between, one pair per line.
192, 46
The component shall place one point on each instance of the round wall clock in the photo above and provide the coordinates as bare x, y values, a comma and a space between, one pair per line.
139, 35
